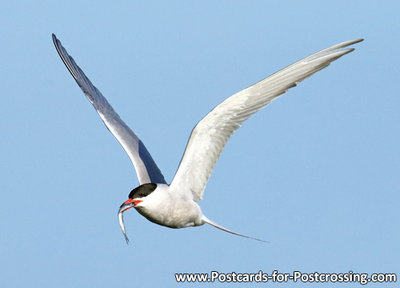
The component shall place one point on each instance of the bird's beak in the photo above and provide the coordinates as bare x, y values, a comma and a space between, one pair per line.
128, 204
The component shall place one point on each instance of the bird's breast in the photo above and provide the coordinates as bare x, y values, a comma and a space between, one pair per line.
169, 209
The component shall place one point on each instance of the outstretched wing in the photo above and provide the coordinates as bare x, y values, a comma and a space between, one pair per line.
210, 135
146, 169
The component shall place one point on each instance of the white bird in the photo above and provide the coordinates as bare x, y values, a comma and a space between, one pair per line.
175, 205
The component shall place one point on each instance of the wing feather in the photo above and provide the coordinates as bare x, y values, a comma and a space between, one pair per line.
210, 135
146, 169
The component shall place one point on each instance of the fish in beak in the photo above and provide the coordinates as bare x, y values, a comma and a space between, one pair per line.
128, 204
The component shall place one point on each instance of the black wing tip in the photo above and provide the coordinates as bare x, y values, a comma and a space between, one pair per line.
54, 37
56, 42
65, 57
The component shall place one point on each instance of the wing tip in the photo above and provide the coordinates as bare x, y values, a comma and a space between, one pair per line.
55, 39
333, 52
351, 42
65, 57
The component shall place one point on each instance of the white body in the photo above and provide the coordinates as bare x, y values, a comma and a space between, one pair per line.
169, 208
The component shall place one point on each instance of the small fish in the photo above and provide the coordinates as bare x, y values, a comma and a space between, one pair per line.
125, 206
121, 223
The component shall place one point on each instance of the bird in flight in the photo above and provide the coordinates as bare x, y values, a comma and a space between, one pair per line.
175, 205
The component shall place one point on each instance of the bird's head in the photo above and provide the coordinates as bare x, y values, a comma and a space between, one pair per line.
136, 197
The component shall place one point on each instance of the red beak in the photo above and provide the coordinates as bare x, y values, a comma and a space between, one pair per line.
128, 204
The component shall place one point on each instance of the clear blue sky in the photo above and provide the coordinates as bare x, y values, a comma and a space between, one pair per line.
316, 172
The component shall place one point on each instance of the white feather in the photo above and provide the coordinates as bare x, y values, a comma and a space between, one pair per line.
210, 135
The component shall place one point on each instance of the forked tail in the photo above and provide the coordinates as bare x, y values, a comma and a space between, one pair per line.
208, 221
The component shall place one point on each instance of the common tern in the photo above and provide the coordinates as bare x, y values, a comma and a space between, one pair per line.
175, 205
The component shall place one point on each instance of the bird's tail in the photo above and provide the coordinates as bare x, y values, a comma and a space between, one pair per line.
208, 221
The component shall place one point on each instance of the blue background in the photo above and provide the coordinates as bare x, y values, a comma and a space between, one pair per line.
316, 172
